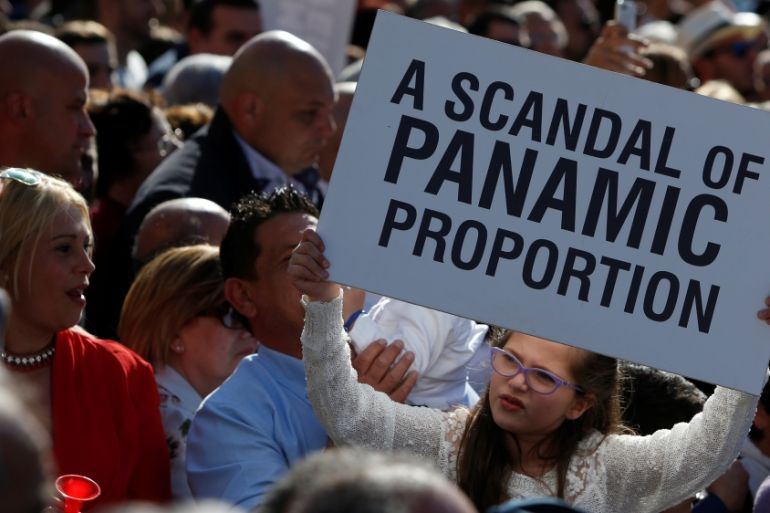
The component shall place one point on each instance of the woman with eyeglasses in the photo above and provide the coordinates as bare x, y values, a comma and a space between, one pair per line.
548, 424
133, 136
95, 398
176, 317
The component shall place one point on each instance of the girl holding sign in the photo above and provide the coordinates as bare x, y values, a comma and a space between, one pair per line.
548, 423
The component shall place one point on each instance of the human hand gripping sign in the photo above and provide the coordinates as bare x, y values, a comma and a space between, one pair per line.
307, 268
380, 365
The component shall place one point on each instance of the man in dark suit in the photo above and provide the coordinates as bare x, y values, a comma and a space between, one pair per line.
273, 119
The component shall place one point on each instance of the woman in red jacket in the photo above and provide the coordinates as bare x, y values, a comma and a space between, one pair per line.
96, 398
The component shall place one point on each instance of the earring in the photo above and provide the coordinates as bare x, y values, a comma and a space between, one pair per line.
177, 348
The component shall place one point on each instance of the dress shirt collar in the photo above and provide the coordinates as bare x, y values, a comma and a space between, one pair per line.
263, 168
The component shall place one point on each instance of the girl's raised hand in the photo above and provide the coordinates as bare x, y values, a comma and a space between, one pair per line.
307, 268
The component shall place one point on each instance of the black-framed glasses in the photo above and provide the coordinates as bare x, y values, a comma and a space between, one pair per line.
24, 176
233, 319
539, 380
228, 316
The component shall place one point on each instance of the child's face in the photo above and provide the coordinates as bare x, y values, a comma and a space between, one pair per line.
520, 410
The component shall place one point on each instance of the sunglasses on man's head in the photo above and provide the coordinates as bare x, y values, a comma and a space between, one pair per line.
28, 177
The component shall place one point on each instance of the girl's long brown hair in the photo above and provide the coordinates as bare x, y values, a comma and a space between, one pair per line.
485, 461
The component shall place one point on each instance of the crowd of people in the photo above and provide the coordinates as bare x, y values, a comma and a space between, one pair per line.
168, 329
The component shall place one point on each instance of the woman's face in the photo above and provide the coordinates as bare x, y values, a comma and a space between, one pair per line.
53, 279
520, 410
206, 352
155, 145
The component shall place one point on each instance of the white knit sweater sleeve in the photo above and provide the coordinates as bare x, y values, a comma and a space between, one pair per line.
355, 414
651, 473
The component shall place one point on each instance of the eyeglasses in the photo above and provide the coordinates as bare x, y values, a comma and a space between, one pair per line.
165, 145
28, 177
234, 320
738, 49
228, 316
539, 380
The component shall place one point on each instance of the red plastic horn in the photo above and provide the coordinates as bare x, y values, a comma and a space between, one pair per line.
75, 490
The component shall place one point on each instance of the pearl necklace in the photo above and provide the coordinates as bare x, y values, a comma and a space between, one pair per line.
29, 362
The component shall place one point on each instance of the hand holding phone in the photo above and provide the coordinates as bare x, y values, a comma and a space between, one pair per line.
625, 13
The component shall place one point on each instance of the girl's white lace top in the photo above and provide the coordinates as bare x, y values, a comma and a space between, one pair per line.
617, 473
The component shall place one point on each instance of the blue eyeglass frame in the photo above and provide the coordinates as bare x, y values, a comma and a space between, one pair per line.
559, 382
27, 177
738, 49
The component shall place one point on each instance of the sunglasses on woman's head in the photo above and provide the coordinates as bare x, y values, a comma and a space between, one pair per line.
28, 177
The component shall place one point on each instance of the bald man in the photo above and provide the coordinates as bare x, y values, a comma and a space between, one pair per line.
180, 222
273, 119
43, 90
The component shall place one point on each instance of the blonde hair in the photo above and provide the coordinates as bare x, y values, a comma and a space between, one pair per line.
173, 288
26, 211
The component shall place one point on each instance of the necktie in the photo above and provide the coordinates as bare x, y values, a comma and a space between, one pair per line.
309, 178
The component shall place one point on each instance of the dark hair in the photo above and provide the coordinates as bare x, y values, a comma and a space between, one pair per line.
483, 444
482, 21
121, 119
755, 435
200, 12
655, 399
239, 250
78, 32
357, 480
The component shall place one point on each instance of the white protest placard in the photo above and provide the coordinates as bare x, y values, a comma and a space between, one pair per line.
556, 199
325, 24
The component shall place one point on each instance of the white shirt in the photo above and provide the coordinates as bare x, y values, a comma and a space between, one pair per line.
134, 74
178, 402
446, 348
756, 464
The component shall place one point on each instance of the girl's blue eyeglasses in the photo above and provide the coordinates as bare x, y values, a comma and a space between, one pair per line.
539, 380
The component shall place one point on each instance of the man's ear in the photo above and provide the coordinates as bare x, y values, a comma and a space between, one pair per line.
250, 107
18, 107
580, 404
238, 294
